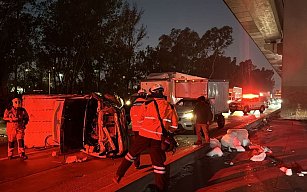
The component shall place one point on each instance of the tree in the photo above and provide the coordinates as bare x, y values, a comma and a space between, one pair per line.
89, 45
184, 50
16, 46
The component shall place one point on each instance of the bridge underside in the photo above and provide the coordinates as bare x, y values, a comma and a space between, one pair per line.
279, 29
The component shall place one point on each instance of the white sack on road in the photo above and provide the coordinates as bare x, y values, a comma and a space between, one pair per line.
214, 143
230, 140
246, 142
215, 152
240, 149
241, 134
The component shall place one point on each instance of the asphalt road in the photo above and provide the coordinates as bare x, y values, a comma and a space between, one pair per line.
42, 172
235, 172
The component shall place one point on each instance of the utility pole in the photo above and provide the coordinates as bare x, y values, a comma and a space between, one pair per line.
49, 84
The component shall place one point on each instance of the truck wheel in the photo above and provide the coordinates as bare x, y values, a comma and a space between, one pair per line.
220, 121
262, 108
246, 110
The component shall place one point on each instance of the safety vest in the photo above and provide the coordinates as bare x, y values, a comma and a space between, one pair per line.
19, 114
135, 114
151, 125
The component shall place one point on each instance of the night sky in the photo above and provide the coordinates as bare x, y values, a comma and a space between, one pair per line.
160, 16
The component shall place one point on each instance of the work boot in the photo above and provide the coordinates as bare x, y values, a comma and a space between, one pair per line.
23, 156
10, 157
137, 166
117, 179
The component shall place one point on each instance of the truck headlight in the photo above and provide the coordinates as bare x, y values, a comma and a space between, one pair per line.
188, 115
128, 102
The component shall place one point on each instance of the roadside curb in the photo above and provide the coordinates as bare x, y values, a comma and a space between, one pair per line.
174, 165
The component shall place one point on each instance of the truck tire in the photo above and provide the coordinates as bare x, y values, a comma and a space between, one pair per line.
262, 108
220, 121
246, 110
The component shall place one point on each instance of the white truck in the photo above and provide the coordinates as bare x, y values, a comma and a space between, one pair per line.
182, 90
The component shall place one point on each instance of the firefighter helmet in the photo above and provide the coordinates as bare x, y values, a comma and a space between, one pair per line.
156, 88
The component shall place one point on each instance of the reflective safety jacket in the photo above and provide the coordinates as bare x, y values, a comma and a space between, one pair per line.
135, 114
16, 118
151, 125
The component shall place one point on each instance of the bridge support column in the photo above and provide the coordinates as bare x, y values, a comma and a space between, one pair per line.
294, 67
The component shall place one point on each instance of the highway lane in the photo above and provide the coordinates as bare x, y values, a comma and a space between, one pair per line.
47, 173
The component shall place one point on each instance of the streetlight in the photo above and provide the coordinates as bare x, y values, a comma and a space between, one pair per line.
24, 79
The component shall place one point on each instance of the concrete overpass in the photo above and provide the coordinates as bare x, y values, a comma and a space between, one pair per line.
279, 28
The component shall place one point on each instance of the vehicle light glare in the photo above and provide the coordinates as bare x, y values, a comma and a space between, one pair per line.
188, 115
128, 102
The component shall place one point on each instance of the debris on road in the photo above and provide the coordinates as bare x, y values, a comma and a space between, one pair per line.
54, 154
74, 158
259, 157
230, 140
215, 143
215, 152
289, 172
269, 130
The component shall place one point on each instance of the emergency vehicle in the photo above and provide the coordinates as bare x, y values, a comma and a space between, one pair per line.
182, 90
248, 103
235, 94
70, 122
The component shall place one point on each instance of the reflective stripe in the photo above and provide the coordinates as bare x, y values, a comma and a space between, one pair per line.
152, 131
175, 127
159, 172
168, 120
159, 168
150, 117
129, 157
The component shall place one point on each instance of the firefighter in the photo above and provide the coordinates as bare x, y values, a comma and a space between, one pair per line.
17, 119
150, 134
134, 113
203, 115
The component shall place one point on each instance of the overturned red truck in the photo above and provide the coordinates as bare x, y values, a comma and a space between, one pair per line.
94, 123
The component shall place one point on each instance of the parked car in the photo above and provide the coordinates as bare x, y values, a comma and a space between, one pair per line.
248, 104
184, 108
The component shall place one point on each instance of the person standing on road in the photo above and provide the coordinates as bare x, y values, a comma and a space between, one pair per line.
141, 97
17, 118
150, 135
203, 117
